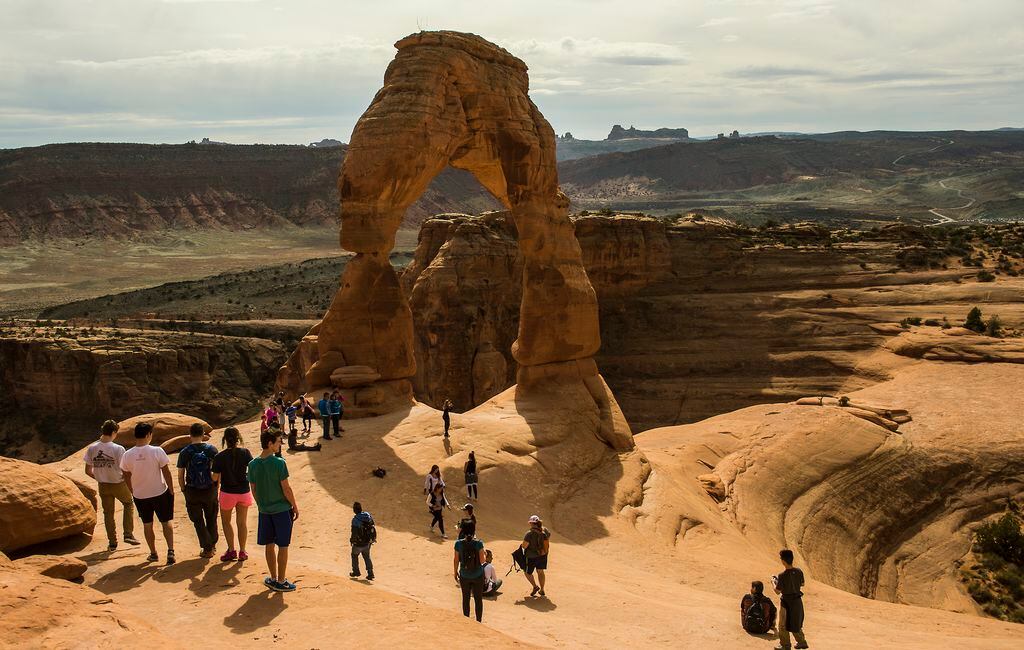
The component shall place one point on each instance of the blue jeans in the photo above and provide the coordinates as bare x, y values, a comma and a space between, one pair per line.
365, 552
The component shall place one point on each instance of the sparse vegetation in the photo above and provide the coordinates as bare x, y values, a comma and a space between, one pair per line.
996, 580
974, 321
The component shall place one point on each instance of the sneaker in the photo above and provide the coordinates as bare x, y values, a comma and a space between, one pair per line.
270, 582
534, 592
542, 594
283, 586
170, 557
230, 556
369, 577
112, 546
207, 553
354, 574
131, 540
801, 646
242, 556
152, 557
443, 536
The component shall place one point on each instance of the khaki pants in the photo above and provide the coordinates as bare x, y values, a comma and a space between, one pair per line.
784, 633
119, 491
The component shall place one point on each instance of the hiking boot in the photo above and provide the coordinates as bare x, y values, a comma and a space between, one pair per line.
284, 586
152, 557
242, 556
170, 557
801, 646
354, 574
229, 556
128, 539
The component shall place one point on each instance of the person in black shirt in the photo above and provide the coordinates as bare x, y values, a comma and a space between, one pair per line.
469, 470
791, 612
229, 468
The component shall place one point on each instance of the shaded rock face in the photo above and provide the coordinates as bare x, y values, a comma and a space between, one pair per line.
38, 505
454, 99
117, 374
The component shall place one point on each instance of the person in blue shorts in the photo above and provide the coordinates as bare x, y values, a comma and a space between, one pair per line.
268, 479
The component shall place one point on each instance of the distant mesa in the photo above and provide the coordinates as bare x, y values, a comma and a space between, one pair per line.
209, 141
619, 133
327, 142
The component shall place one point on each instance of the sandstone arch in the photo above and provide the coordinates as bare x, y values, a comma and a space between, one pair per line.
454, 99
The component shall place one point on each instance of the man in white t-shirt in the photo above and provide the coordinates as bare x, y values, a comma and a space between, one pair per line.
103, 463
147, 472
491, 580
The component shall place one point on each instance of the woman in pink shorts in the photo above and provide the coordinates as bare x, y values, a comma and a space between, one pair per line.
229, 468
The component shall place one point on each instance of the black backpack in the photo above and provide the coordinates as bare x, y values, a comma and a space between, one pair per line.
469, 555
366, 534
755, 619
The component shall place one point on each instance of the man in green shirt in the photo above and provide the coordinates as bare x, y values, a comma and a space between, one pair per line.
268, 479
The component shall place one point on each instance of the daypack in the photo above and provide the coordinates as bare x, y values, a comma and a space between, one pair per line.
756, 618
518, 560
366, 534
198, 473
469, 555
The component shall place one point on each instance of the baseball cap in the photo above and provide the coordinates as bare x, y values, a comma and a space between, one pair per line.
534, 519
468, 506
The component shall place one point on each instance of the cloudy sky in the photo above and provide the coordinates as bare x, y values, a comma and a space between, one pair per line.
291, 71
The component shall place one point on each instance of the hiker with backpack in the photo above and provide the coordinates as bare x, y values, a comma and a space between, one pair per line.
364, 534
467, 526
469, 470
469, 573
195, 478
535, 548
229, 467
757, 611
436, 503
791, 611
278, 511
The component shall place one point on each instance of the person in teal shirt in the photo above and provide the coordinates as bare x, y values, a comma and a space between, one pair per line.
324, 406
469, 573
268, 479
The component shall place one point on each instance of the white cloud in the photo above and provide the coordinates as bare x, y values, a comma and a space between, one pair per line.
718, 22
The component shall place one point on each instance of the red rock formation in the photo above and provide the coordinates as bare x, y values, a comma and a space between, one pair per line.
456, 99
38, 505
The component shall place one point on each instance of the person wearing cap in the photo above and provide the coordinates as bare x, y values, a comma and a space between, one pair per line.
467, 527
535, 547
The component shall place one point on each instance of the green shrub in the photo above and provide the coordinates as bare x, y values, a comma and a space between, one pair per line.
985, 276
994, 327
1002, 538
933, 322
974, 321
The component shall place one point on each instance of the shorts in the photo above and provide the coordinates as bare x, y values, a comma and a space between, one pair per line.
539, 562
275, 529
228, 501
162, 506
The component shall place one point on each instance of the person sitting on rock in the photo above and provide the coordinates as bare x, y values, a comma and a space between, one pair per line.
757, 611
788, 584
103, 463
492, 583
295, 445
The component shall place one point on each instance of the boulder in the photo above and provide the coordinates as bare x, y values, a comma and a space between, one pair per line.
352, 376
165, 427
60, 567
176, 444
38, 505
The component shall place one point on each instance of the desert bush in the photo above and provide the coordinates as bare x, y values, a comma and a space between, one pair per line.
933, 322
993, 326
1002, 538
986, 276
974, 321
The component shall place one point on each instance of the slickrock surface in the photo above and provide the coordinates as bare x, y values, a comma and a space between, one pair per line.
38, 505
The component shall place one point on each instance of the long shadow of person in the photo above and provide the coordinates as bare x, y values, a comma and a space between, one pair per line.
537, 604
126, 578
256, 612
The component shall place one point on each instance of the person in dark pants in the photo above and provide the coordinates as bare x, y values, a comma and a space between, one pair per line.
324, 406
336, 411
195, 478
436, 503
469, 471
364, 534
446, 415
468, 565
791, 612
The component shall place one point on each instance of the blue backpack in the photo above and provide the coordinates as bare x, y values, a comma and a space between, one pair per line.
198, 472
